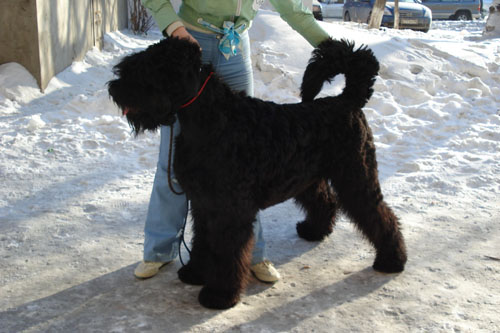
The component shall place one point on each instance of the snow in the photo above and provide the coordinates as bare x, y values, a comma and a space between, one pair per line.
76, 185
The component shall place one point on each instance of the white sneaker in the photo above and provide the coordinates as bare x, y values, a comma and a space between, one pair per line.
148, 269
265, 272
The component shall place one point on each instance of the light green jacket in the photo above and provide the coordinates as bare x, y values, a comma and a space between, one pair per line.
238, 11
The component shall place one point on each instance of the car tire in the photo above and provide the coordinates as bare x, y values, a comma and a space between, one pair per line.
463, 15
347, 17
318, 16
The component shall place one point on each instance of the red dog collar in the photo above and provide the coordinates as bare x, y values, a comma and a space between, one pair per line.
199, 92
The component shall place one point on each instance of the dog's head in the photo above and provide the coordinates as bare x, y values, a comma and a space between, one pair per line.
151, 85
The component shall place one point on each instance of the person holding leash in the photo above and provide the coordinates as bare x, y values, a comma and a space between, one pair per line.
220, 28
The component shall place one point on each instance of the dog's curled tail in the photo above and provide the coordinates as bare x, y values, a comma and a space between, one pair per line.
333, 57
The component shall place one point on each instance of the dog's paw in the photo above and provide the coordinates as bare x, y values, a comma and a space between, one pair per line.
390, 263
218, 299
188, 274
311, 232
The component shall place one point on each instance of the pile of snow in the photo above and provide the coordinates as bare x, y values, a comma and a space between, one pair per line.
17, 87
76, 184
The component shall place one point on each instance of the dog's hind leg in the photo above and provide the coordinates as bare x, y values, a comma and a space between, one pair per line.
230, 239
359, 194
320, 205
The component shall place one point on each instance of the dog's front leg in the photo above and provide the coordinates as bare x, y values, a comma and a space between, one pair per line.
195, 270
230, 240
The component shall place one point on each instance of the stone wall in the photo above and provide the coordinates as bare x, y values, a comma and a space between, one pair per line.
46, 36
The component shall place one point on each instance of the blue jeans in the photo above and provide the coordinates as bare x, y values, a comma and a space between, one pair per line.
167, 211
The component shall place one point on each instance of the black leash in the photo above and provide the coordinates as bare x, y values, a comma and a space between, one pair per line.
169, 166
182, 239
170, 185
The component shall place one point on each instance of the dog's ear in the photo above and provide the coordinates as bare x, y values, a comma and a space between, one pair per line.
178, 62
180, 53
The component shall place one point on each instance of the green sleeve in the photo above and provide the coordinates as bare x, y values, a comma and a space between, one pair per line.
162, 11
301, 20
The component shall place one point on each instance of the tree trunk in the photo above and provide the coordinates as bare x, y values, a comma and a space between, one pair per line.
396, 14
377, 14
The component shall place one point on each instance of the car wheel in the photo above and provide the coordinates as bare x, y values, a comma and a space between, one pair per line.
463, 15
347, 17
318, 16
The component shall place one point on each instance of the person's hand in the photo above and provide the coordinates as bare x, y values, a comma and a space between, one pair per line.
181, 32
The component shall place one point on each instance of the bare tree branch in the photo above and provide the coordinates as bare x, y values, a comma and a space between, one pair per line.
140, 21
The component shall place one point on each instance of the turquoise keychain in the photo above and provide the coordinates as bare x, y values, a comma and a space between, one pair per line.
230, 36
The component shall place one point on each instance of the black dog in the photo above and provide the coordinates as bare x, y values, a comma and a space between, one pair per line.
236, 155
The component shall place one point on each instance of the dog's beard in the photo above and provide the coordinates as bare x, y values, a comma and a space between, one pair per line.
141, 122
148, 120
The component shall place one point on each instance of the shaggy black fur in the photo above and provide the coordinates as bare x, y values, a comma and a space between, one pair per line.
236, 155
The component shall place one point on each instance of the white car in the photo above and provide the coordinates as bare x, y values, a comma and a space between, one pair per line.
328, 9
